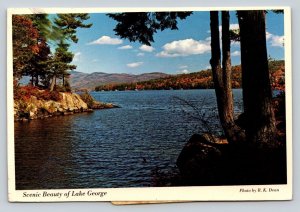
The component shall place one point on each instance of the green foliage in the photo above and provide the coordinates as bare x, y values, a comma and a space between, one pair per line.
88, 99
68, 23
31, 52
140, 26
234, 35
37, 65
47, 30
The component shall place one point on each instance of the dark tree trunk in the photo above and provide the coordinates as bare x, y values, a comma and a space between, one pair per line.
32, 80
257, 93
36, 80
222, 76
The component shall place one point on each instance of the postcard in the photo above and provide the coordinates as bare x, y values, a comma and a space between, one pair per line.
149, 104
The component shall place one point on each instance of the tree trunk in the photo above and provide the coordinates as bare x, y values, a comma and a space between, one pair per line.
32, 80
257, 93
36, 80
53, 82
233, 132
222, 76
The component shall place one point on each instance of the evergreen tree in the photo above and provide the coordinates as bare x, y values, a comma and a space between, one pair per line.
60, 64
68, 24
37, 65
141, 26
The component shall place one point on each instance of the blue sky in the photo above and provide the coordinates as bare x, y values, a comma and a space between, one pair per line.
179, 51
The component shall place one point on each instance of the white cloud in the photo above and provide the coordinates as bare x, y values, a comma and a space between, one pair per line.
231, 27
95, 60
76, 57
125, 47
268, 35
140, 54
134, 65
106, 40
234, 26
146, 48
183, 67
275, 40
185, 71
184, 48
236, 53
208, 67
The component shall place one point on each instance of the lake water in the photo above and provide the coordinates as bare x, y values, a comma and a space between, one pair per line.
118, 147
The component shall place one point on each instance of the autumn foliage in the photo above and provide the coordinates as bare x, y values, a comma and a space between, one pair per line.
198, 80
24, 42
24, 94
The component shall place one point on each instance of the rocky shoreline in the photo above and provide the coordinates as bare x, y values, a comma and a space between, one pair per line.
68, 104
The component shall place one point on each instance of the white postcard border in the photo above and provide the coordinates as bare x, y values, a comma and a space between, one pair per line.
197, 193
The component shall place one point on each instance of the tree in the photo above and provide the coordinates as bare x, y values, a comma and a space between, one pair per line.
60, 64
68, 24
257, 94
140, 26
36, 66
24, 43
222, 76
47, 31
31, 52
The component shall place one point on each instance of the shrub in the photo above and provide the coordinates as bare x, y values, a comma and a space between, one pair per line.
24, 93
88, 99
49, 95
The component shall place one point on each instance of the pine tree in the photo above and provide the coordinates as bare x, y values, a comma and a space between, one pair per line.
68, 24
60, 64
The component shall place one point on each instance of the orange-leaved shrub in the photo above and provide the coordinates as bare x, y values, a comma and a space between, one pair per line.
25, 92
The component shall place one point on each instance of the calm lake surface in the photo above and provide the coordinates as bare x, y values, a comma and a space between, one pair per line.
118, 147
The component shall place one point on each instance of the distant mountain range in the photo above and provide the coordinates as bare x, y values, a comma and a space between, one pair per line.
198, 80
79, 80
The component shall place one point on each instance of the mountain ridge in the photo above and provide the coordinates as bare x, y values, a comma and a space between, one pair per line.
89, 81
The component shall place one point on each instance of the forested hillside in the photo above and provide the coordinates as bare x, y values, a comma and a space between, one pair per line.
197, 80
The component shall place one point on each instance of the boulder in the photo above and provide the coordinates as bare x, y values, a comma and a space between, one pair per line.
200, 157
72, 101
